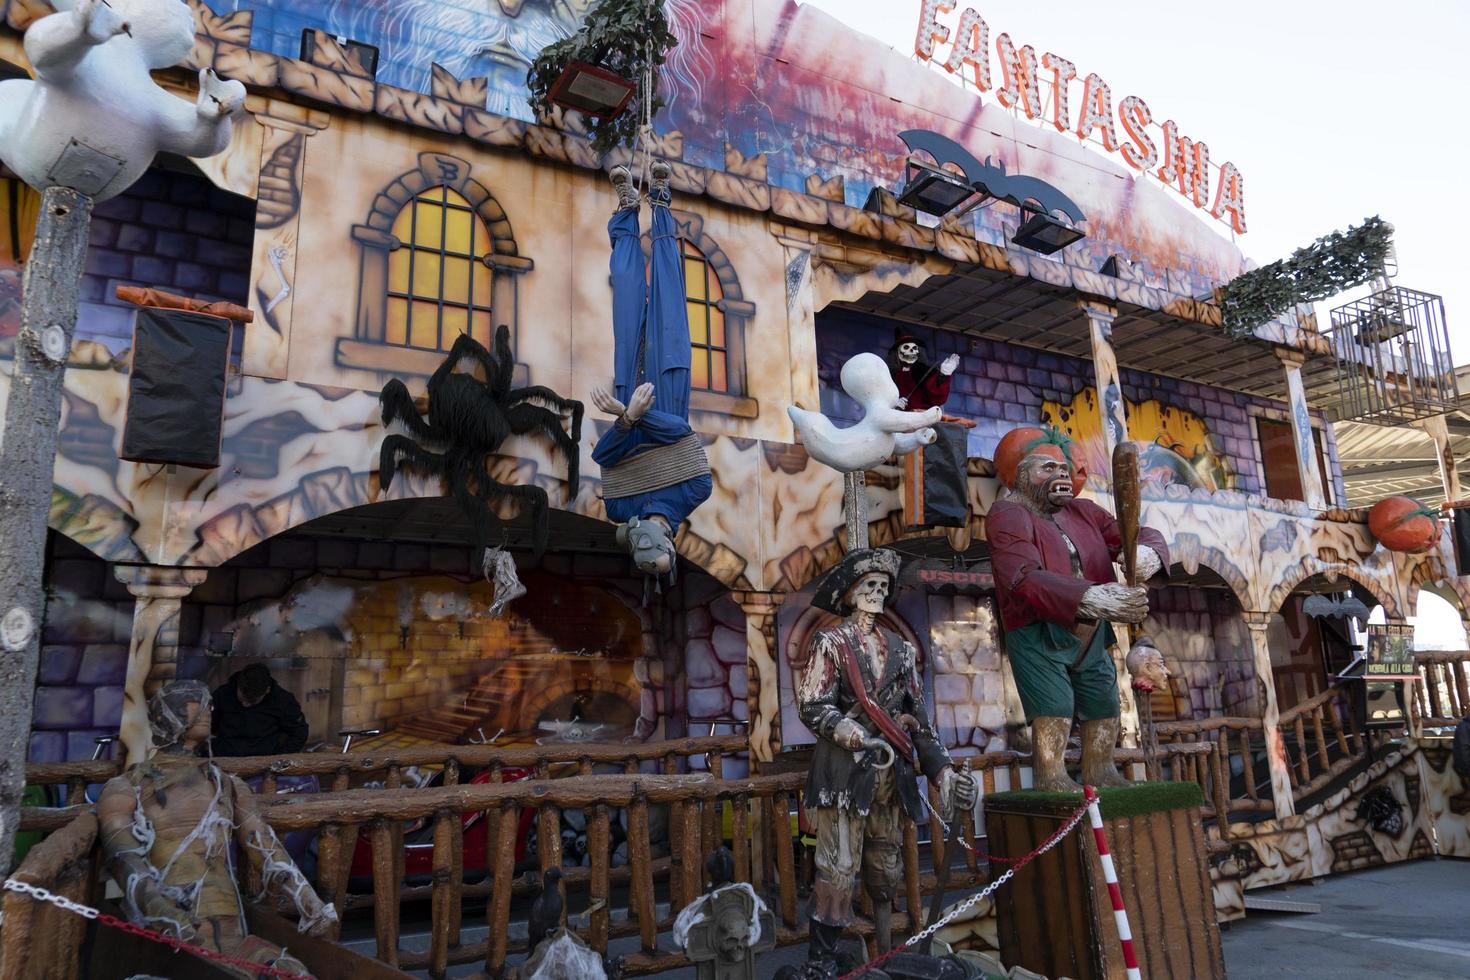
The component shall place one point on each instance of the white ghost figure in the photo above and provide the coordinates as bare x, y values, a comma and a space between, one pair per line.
884, 430
93, 118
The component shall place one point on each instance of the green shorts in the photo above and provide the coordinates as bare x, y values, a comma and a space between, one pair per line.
1042, 657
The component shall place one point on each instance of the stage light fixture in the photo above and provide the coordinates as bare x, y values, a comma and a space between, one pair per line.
933, 191
591, 90
1045, 234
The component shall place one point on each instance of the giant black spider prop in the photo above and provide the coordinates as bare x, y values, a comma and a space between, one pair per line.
467, 421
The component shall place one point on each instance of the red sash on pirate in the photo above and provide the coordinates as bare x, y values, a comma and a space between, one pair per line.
887, 727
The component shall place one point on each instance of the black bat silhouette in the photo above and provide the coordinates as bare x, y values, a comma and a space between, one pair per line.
992, 178
1320, 605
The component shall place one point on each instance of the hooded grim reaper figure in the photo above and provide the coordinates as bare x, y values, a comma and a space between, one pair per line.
654, 469
863, 698
169, 826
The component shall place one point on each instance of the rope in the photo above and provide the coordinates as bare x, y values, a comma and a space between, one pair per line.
87, 912
969, 903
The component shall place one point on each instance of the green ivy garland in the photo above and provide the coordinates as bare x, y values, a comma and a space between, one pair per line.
623, 36
1328, 266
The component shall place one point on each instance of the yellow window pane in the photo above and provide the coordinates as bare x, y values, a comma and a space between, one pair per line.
453, 197
458, 227
438, 194
699, 370
694, 278
480, 283
403, 225
428, 229
423, 331
426, 274
455, 321
718, 380
456, 280
716, 292
698, 323
396, 329
716, 327
398, 270
480, 326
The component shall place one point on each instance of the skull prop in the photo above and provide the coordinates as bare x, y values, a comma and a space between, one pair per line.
908, 351
870, 593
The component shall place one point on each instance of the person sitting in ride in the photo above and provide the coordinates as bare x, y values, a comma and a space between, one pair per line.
654, 468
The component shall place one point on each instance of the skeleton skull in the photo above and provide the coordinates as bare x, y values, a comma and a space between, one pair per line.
908, 351
870, 593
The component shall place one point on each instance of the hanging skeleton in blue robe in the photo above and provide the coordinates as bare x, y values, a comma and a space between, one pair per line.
654, 469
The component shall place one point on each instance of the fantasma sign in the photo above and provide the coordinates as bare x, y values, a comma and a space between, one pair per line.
1129, 130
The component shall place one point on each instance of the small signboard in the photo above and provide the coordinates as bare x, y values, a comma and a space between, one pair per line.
1389, 666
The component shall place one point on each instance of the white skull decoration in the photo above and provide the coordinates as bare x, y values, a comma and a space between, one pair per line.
908, 351
870, 593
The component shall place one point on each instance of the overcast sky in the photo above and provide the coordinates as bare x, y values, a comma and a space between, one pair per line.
1333, 111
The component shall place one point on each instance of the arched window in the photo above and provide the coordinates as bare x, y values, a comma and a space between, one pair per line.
437, 259
438, 283
709, 349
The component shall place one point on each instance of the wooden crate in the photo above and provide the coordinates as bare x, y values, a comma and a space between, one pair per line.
1054, 915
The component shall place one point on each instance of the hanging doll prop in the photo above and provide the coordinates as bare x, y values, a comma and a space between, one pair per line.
936, 478
921, 385
654, 469
1058, 594
863, 698
173, 830
469, 417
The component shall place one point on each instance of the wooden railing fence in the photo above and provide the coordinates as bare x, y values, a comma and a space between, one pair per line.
1442, 696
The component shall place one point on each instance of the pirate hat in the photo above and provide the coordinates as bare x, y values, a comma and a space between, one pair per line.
833, 585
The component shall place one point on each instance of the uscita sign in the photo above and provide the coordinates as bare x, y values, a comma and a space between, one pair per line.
1129, 129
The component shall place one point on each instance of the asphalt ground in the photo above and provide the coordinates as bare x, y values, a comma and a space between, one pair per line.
1407, 920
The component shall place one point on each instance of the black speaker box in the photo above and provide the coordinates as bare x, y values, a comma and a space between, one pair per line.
176, 395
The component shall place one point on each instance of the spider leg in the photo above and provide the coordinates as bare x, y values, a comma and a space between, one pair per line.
541, 394
500, 378
526, 418
398, 450
398, 404
487, 490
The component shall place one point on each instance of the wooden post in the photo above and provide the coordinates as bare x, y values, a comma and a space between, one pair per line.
497, 910
333, 867
600, 891
913, 891
785, 859
48, 319
640, 867
386, 882
1308, 469
690, 873
443, 869
740, 837
855, 508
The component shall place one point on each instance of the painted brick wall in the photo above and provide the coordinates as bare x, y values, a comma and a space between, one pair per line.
1001, 385
1208, 650
172, 230
84, 654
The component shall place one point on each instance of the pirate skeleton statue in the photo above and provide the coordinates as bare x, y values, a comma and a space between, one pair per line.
654, 469
169, 826
921, 385
1053, 558
863, 698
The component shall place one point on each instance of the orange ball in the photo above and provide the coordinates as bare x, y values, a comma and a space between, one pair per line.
1404, 524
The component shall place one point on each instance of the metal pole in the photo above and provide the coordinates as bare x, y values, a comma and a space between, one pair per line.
48, 319
855, 506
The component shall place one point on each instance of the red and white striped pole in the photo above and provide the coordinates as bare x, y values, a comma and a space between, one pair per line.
1110, 875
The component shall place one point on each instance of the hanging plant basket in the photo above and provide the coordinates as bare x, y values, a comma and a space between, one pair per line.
608, 70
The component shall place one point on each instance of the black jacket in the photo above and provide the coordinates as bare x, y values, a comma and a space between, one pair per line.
275, 726
825, 698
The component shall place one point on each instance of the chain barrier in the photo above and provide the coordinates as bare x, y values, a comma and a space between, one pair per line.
87, 912
1016, 865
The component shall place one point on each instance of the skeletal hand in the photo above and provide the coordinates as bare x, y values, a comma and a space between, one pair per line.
218, 97
1115, 602
605, 402
957, 789
850, 735
949, 364
1146, 562
641, 401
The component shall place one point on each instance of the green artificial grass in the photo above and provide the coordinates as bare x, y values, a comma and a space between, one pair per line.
1116, 802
